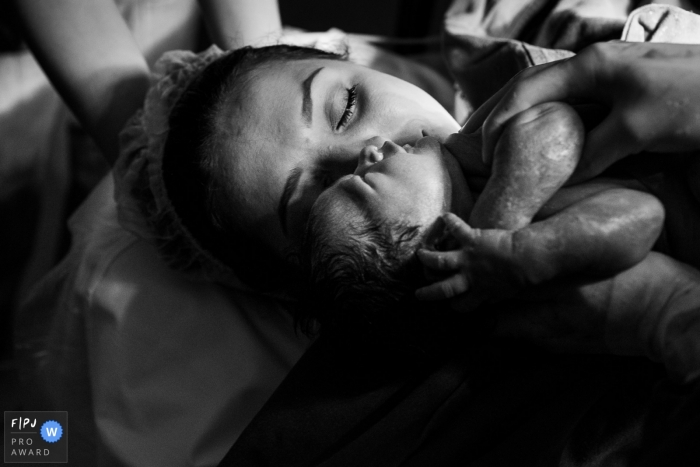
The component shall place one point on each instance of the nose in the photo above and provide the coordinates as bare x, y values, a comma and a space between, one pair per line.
369, 156
386, 146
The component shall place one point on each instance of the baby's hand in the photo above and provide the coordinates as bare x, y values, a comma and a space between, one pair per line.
483, 268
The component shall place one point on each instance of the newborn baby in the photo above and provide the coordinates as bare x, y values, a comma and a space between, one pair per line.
372, 233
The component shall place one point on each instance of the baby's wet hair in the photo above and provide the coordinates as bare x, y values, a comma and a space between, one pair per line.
360, 278
194, 171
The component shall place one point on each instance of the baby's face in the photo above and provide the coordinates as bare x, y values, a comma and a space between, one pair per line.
411, 185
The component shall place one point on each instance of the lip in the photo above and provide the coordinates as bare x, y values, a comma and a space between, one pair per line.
390, 149
358, 181
428, 142
414, 132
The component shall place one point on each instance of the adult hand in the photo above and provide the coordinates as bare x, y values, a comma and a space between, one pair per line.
650, 90
652, 309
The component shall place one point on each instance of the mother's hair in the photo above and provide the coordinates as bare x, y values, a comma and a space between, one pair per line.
195, 170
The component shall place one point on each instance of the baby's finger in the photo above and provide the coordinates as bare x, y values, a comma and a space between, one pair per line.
448, 288
460, 230
441, 260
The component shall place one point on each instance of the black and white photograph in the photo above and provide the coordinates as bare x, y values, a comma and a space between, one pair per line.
389, 233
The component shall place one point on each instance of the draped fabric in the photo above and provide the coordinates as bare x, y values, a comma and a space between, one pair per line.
498, 404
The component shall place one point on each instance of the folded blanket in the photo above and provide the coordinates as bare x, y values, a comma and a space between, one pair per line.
487, 42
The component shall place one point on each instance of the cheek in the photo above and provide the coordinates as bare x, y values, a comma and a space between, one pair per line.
420, 202
436, 188
437, 199
406, 117
253, 186
253, 191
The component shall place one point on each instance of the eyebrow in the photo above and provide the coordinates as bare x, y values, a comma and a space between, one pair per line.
290, 187
306, 103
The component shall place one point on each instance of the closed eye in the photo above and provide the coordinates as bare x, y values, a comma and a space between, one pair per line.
349, 107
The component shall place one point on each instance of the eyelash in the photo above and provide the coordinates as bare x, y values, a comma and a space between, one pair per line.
349, 107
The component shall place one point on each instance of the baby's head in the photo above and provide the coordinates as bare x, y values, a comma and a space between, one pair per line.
363, 233
361, 270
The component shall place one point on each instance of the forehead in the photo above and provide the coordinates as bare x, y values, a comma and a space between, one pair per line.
335, 216
262, 138
259, 122
257, 110
335, 209
266, 112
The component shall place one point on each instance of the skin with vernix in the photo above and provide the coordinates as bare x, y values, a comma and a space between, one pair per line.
499, 251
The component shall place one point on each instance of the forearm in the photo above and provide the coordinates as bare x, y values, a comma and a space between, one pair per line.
236, 23
89, 55
651, 309
599, 231
654, 310
600, 235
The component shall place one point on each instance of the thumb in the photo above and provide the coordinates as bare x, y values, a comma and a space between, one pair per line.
606, 144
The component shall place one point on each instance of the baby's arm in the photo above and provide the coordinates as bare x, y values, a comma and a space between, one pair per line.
598, 228
605, 230
536, 154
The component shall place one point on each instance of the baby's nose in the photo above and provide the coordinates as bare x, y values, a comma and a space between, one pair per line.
386, 146
369, 156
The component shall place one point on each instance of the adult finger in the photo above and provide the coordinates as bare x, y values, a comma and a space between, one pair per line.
476, 119
565, 80
448, 288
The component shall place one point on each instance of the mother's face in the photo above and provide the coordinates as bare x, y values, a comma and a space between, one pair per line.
299, 126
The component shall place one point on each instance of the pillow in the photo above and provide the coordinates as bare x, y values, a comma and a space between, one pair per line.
166, 371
